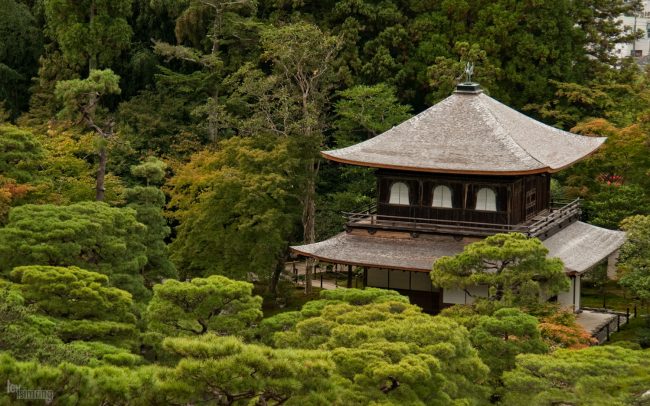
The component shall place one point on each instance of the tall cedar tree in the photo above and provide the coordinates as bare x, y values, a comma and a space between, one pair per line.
302, 56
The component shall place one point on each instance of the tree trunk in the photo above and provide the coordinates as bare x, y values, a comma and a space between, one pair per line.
101, 174
308, 222
498, 295
275, 278
92, 60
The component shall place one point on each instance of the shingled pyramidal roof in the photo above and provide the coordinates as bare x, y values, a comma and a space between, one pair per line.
470, 132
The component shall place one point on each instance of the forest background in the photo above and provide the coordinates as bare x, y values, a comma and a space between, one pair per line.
198, 124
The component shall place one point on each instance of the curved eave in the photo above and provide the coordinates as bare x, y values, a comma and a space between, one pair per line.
546, 169
356, 263
431, 170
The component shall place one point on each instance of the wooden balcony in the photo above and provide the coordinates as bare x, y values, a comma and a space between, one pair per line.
542, 225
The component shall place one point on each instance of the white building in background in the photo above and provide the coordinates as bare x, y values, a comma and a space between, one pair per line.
641, 47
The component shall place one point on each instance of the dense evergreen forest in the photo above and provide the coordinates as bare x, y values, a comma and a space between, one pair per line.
158, 157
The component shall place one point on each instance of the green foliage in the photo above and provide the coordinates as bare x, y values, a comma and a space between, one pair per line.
160, 121
76, 93
70, 384
361, 113
360, 297
12, 307
212, 305
514, 267
89, 235
366, 111
357, 297
634, 258
79, 306
106, 354
302, 56
20, 153
148, 203
95, 330
231, 372
20, 48
68, 170
608, 375
152, 170
503, 335
574, 102
90, 32
395, 42
392, 353
73, 293
624, 159
612, 204
27, 335
80, 100
236, 207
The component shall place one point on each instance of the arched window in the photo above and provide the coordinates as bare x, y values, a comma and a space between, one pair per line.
442, 196
399, 193
486, 199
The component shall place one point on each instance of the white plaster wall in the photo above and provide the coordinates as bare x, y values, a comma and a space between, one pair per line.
611, 265
399, 279
565, 299
578, 285
377, 278
453, 296
421, 281
458, 296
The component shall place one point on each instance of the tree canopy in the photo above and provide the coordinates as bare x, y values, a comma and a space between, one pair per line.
634, 260
392, 352
91, 235
236, 207
579, 377
215, 304
515, 269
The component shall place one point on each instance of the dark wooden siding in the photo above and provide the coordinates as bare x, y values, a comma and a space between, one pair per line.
511, 193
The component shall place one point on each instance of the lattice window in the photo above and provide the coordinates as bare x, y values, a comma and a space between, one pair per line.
531, 203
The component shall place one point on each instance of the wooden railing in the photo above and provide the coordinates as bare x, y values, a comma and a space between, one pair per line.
369, 219
555, 217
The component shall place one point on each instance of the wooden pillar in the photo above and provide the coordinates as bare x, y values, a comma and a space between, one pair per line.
349, 276
365, 276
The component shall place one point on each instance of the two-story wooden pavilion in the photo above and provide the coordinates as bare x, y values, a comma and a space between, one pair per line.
464, 169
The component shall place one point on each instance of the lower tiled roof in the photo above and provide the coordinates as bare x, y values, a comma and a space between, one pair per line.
580, 246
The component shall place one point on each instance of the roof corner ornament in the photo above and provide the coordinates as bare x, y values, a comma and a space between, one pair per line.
469, 71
